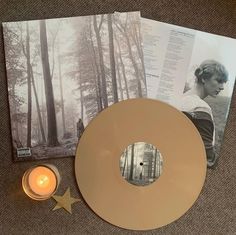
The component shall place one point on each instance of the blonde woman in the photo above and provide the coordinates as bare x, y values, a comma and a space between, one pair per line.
210, 78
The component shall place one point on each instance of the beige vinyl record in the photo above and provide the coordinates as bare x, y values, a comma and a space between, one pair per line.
98, 173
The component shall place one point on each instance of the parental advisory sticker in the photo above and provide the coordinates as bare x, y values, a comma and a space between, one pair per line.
23, 152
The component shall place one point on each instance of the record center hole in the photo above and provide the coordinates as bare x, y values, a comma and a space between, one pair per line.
141, 164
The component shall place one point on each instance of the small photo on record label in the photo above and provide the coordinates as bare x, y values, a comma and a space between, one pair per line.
141, 164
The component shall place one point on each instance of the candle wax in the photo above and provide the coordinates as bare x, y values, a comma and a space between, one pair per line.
42, 181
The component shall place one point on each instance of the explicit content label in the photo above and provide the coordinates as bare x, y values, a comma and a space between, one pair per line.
23, 152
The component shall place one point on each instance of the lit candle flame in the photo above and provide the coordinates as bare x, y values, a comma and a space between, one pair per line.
43, 179
40, 182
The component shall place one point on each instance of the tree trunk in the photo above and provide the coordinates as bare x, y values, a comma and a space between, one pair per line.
132, 163
155, 164
74, 121
124, 166
96, 71
119, 76
81, 99
44, 118
53, 58
51, 114
37, 106
131, 56
16, 135
112, 58
119, 80
53, 40
122, 68
103, 76
61, 92
123, 30
136, 35
128, 154
29, 117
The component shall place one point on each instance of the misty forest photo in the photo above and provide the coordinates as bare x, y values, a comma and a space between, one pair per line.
63, 72
141, 164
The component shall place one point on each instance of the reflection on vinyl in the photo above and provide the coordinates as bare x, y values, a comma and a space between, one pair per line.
165, 164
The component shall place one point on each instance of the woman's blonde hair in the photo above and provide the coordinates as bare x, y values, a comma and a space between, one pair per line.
208, 68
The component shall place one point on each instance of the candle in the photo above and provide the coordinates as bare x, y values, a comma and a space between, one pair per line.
41, 182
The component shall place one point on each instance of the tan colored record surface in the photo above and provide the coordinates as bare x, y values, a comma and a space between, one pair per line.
98, 155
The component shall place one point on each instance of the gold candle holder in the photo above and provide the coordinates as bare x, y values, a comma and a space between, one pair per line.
40, 182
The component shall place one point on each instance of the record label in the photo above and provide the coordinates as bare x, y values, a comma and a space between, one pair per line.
141, 164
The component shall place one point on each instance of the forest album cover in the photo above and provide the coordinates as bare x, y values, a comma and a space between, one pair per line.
62, 72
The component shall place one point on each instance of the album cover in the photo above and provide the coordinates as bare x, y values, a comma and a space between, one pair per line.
195, 72
62, 72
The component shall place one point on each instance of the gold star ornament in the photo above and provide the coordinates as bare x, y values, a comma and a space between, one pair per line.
65, 201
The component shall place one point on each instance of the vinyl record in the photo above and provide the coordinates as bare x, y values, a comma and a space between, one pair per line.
102, 182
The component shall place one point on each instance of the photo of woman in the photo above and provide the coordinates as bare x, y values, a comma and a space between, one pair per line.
210, 78
195, 72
